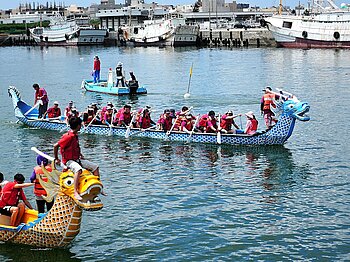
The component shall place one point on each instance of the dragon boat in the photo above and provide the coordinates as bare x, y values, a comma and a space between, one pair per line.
103, 86
59, 226
288, 109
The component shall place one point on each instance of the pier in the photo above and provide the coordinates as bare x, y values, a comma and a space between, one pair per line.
255, 37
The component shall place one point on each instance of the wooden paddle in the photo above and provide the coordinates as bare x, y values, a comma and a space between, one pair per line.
30, 110
192, 131
50, 158
218, 134
127, 132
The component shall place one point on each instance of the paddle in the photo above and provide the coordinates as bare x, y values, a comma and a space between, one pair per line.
172, 127
187, 95
92, 120
111, 125
50, 158
127, 132
192, 131
218, 134
240, 119
138, 132
30, 110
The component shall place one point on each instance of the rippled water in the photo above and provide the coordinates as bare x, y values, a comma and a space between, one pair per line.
193, 202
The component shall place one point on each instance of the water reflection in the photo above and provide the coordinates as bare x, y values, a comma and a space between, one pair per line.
24, 253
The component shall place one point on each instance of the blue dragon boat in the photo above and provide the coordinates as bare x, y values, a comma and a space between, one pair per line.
103, 86
288, 108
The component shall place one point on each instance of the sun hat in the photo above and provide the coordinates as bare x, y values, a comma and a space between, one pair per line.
250, 114
56, 103
229, 112
109, 108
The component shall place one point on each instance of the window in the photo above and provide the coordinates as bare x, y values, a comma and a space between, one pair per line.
287, 24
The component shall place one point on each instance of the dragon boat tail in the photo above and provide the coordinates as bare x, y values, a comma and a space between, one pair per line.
288, 109
59, 226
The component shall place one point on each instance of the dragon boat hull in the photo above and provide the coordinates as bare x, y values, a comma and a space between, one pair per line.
104, 87
277, 135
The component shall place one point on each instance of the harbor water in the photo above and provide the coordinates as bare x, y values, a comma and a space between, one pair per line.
171, 201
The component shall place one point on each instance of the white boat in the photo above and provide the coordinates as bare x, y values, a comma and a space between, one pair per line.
60, 31
66, 32
167, 31
326, 26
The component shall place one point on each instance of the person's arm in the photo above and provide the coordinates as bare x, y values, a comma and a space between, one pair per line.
55, 153
26, 202
33, 177
235, 125
23, 185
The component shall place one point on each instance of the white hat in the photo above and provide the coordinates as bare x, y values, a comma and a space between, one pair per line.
119, 64
250, 114
56, 103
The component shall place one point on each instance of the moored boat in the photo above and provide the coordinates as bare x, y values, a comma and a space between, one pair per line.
169, 31
64, 32
288, 107
326, 26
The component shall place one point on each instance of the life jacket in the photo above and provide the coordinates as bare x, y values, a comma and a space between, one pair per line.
186, 123
268, 101
203, 121
72, 150
126, 117
254, 126
53, 112
10, 195
226, 123
38, 189
145, 122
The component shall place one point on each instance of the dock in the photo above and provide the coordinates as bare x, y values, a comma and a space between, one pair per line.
255, 37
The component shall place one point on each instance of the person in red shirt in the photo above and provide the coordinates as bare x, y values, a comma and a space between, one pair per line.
53, 112
12, 192
266, 105
165, 122
125, 117
41, 97
227, 121
97, 69
252, 124
71, 154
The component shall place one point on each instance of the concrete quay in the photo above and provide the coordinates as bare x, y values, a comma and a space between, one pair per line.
255, 37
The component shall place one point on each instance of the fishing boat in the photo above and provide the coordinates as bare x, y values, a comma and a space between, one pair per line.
325, 26
62, 31
109, 87
59, 226
288, 108
169, 31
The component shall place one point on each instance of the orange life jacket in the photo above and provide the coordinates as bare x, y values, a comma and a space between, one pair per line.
268, 101
38, 189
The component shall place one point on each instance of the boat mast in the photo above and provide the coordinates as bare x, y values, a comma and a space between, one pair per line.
280, 8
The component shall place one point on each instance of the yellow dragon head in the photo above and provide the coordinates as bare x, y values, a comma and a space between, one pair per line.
62, 183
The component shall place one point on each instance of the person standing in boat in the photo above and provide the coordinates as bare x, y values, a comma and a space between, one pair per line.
252, 124
39, 191
266, 103
97, 69
41, 98
53, 112
71, 154
119, 73
11, 194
